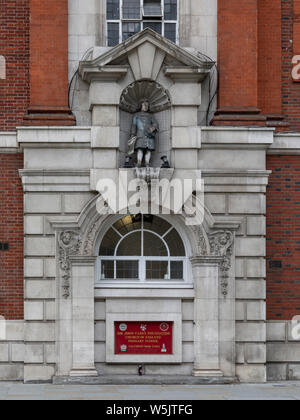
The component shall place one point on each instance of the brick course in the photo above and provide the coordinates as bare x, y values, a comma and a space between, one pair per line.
283, 237
11, 231
14, 46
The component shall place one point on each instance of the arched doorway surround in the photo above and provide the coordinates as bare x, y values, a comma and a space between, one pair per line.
211, 255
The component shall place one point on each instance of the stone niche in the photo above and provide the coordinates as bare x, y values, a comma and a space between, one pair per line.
146, 66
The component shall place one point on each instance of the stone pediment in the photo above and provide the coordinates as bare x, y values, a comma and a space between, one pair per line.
146, 53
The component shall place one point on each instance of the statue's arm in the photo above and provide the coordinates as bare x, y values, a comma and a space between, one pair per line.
155, 125
133, 127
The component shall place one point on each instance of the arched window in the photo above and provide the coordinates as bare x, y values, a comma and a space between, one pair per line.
128, 17
142, 248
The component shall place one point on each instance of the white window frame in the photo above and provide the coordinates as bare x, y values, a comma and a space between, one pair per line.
141, 20
142, 282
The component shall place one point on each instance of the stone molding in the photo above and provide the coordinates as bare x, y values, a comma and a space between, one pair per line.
68, 244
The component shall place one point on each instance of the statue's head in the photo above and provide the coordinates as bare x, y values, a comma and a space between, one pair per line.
144, 105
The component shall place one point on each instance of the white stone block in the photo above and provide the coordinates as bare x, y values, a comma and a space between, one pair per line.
185, 159
229, 158
276, 372
34, 353
3, 352
240, 312
100, 331
256, 311
256, 225
100, 352
256, 268
40, 289
34, 311
105, 116
50, 267
187, 331
250, 247
14, 331
105, 159
186, 94
294, 372
34, 225
105, 137
141, 306
240, 353
251, 373
11, 372
276, 331
186, 137
215, 202
58, 158
184, 116
255, 353
248, 332
17, 352
100, 310
74, 203
247, 203
39, 246
50, 353
33, 267
239, 267
38, 331
250, 289
104, 93
188, 352
50, 311
42, 203
283, 352
38, 373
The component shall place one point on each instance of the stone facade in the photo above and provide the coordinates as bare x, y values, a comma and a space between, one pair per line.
221, 332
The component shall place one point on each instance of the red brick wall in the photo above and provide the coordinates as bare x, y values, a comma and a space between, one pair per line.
290, 89
283, 237
237, 53
11, 231
14, 46
269, 57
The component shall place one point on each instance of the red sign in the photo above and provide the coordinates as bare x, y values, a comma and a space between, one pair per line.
143, 337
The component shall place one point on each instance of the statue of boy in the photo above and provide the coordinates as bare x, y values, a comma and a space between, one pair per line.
143, 132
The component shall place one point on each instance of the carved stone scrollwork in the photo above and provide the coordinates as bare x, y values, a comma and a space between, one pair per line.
201, 242
221, 245
69, 244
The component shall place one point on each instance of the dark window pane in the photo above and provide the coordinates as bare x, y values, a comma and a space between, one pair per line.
113, 9
170, 31
109, 243
131, 245
127, 270
152, 8
154, 246
170, 10
112, 34
157, 270
129, 29
175, 244
156, 26
131, 9
176, 270
107, 270
156, 224
129, 224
